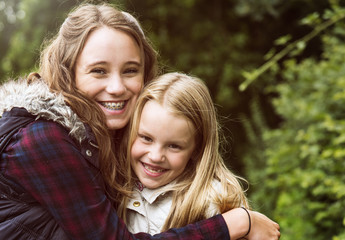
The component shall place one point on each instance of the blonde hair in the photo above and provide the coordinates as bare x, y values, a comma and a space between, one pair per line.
57, 64
189, 97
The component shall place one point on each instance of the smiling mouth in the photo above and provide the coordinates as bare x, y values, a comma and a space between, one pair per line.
114, 105
152, 169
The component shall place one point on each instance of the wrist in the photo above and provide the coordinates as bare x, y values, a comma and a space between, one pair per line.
249, 222
237, 222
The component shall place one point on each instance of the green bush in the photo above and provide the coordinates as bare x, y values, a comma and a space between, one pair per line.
304, 185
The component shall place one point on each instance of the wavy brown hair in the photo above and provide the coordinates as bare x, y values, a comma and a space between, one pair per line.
57, 69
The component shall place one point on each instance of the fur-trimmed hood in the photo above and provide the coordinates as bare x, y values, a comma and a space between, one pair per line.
39, 101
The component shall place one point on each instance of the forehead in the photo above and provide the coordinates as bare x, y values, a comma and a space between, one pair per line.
159, 120
107, 42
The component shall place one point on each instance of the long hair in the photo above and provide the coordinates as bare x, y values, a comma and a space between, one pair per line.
57, 69
189, 97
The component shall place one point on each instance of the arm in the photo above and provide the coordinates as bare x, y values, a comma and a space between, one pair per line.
261, 227
49, 165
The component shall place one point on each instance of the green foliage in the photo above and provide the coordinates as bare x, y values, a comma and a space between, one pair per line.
295, 48
26, 23
304, 175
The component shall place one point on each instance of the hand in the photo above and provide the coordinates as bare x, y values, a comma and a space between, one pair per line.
262, 228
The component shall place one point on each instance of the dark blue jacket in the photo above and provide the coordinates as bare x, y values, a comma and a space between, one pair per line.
21, 217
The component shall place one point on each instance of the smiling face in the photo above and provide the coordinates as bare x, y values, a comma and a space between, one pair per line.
163, 146
110, 70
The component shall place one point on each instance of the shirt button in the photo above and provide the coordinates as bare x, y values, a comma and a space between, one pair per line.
88, 153
136, 204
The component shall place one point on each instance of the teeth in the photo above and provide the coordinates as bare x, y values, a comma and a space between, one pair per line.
113, 105
153, 170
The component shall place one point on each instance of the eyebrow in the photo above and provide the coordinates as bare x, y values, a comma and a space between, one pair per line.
134, 62
104, 62
96, 63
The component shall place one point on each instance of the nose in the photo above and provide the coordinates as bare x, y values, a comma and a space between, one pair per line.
116, 85
156, 154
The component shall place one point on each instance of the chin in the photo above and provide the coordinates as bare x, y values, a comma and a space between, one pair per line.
153, 186
116, 125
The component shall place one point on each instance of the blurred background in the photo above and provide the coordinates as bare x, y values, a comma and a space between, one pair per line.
276, 72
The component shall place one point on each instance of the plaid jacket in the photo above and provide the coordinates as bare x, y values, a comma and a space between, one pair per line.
57, 164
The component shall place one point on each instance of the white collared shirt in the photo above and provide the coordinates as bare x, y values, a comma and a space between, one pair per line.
149, 208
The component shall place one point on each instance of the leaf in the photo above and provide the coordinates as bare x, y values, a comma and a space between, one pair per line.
283, 40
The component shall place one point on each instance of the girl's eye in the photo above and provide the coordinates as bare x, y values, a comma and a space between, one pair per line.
131, 71
98, 71
175, 146
145, 138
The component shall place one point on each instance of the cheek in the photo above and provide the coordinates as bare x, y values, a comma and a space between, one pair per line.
135, 85
88, 86
135, 89
181, 162
136, 150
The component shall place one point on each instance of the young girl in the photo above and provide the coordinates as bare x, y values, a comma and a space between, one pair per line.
181, 177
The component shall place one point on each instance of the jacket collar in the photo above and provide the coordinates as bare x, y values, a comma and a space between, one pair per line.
151, 195
40, 102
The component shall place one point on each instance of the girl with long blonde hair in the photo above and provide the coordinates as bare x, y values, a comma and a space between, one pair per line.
202, 186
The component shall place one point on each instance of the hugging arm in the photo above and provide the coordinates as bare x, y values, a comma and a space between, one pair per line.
251, 225
49, 165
